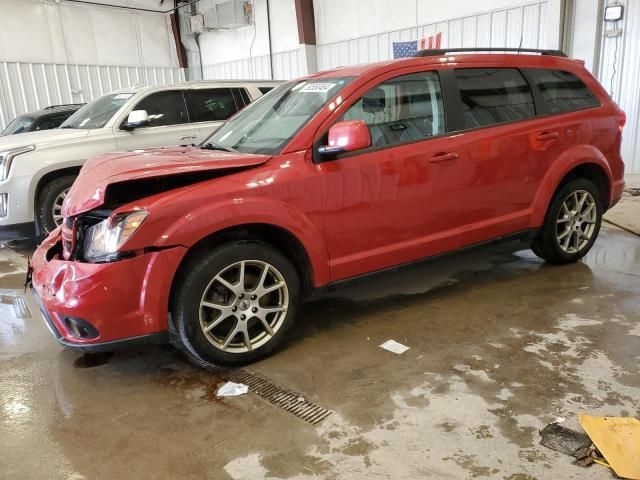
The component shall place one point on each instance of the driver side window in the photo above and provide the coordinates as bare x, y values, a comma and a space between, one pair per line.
401, 110
164, 108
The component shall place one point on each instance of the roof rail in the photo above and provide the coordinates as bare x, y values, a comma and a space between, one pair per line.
434, 52
64, 105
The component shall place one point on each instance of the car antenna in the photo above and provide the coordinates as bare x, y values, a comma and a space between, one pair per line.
520, 45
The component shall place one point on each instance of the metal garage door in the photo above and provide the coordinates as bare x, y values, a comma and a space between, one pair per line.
619, 72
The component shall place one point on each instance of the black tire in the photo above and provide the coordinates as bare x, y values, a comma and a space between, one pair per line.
194, 279
546, 245
46, 198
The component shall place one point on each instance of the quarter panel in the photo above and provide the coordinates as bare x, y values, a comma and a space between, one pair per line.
567, 161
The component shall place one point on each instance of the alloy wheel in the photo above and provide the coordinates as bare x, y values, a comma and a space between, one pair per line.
576, 221
56, 209
244, 306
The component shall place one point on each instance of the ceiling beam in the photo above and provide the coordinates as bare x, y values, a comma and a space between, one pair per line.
306, 22
136, 9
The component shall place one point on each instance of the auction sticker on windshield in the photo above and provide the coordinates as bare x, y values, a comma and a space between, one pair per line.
123, 96
318, 87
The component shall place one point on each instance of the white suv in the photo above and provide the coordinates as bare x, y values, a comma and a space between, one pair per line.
38, 168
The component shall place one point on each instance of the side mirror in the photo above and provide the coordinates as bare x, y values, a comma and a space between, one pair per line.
347, 136
137, 119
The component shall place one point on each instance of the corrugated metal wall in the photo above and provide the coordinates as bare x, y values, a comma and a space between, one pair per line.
286, 65
499, 28
619, 73
25, 87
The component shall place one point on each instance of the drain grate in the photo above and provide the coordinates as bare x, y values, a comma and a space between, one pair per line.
290, 401
20, 308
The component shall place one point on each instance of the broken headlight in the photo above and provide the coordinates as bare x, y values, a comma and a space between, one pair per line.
102, 240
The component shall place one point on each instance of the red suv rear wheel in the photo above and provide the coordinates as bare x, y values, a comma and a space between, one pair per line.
572, 223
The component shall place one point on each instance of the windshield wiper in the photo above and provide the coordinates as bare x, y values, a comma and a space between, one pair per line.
217, 146
67, 126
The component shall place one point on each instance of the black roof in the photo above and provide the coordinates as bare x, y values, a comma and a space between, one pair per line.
52, 109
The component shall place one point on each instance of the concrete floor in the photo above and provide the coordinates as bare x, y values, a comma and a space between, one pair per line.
501, 345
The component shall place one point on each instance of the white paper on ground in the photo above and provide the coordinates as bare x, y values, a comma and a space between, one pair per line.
231, 389
395, 347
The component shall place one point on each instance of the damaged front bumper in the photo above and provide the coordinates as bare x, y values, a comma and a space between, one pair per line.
100, 306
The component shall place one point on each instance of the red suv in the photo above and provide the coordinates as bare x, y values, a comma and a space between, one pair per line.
326, 178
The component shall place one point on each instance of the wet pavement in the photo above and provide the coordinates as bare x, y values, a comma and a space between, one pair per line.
501, 345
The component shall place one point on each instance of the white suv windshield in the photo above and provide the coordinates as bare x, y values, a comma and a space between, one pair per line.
267, 125
19, 125
97, 113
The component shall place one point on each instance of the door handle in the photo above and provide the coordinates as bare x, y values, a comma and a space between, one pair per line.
443, 157
547, 136
187, 137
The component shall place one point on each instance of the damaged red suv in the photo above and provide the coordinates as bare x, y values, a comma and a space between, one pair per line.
326, 178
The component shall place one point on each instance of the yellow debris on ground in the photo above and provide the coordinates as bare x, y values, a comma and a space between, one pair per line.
618, 439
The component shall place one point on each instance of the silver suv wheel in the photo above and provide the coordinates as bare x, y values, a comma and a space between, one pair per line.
56, 209
244, 306
576, 221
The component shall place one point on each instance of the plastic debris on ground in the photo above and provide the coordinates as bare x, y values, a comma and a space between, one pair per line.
564, 440
395, 347
618, 439
231, 389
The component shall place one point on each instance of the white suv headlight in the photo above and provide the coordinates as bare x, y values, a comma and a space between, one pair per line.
102, 240
7, 157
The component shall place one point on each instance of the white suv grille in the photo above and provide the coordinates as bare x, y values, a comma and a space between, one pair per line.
4, 204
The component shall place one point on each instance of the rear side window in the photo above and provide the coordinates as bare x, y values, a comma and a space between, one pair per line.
493, 95
211, 104
264, 90
562, 91
164, 108
245, 96
401, 110
51, 122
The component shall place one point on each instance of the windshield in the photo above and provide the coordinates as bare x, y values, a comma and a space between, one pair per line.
97, 113
19, 125
268, 124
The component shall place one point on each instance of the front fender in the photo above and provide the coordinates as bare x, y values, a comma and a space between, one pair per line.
209, 218
40, 174
567, 161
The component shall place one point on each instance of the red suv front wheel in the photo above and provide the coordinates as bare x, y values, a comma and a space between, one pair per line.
235, 304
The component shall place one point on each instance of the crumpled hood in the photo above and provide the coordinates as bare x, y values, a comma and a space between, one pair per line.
42, 138
88, 191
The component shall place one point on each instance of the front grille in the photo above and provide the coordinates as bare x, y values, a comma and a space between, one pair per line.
4, 204
69, 235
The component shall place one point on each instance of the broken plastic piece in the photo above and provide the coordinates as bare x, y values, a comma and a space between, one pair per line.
564, 440
231, 389
585, 457
618, 439
395, 347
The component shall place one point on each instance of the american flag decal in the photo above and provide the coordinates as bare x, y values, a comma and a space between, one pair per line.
432, 41
405, 49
